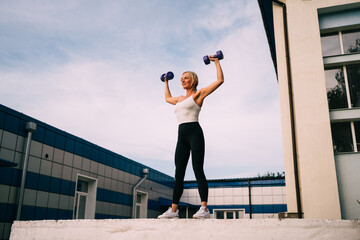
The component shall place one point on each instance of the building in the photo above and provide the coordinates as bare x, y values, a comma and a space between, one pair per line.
315, 47
70, 178
247, 198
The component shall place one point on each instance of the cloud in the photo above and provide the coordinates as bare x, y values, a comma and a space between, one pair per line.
92, 69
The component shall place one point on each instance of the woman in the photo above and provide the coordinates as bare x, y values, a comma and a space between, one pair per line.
190, 138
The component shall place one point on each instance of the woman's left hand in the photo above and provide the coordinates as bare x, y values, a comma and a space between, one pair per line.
213, 58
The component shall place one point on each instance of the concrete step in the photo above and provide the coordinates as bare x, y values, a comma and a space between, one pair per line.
255, 229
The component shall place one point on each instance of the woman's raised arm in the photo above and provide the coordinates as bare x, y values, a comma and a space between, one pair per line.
168, 97
204, 92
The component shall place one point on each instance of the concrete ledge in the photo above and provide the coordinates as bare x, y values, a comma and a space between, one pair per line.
187, 229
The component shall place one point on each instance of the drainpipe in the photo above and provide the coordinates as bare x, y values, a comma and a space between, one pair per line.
145, 172
250, 205
292, 115
30, 127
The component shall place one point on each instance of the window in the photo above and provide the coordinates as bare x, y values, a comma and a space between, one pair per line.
85, 198
330, 44
343, 90
342, 139
346, 136
229, 213
353, 75
342, 42
335, 87
351, 41
141, 204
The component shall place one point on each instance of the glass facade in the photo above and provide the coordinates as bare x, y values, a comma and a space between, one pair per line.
351, 41
335, 87
342, 137
342, 80
330, 44
353, 75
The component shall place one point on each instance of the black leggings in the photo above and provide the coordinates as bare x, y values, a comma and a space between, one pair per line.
190, 138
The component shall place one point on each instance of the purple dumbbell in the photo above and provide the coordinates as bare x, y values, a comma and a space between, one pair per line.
168, 76
218, 55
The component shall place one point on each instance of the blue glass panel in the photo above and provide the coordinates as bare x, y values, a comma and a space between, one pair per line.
72, 188
11, 124
257, 208
70, 145
116, 163
22, 130
5, 175
95, 155
87, 151
40, 213
38, 135
27, 212
279, 208
49, 137
2, 119
127, 199
99, 194
60, 141
16, 177
109, 160
102, 157
55, 185
65, 187
52, 213
3, 207
153, 205
79, 148
269, 209
32, 180
44, 183
64, 214
113, 197
11, 212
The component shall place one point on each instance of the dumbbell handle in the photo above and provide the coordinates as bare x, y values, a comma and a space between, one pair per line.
218, 55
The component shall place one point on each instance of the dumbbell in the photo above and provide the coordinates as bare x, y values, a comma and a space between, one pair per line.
218, 55
168, 76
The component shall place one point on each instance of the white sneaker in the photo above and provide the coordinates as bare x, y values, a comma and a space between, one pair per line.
169, 214
201, 214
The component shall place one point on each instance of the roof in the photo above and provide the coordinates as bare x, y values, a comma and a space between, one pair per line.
239, 179
266, 8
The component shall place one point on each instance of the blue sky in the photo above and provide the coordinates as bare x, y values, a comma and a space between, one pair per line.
92, 68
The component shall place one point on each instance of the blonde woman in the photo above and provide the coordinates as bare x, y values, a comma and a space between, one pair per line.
190, 137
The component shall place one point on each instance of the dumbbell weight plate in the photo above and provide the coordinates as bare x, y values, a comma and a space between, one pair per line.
163, 77
219, 55
169, 75
206, 60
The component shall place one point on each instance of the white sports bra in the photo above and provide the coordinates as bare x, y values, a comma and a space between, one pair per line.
187, 111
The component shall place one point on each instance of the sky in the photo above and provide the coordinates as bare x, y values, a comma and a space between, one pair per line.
92, 69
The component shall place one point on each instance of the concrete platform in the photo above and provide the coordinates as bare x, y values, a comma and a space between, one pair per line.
256, 229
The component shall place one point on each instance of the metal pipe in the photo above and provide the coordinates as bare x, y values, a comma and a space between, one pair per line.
30, 127
292, 114
145, 172
250, 205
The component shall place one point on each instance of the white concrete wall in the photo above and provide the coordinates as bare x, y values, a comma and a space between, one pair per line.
186, 229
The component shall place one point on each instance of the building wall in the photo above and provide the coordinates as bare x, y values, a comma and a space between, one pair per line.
267, 197
316, 161
56, 158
